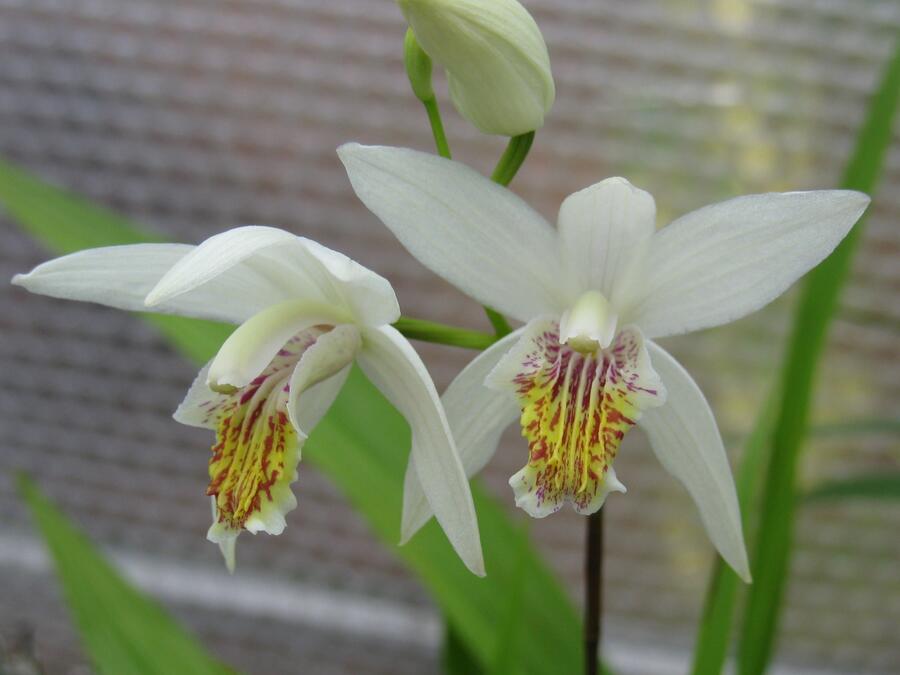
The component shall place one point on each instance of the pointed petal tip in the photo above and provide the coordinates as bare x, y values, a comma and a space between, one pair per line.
348, 148
347, 152
156, 296
476, 566
407, 531
742, 569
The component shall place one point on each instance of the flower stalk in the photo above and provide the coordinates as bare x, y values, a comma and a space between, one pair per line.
593, 591
507, 167
418, 70
437, 127
431, 331
512, 159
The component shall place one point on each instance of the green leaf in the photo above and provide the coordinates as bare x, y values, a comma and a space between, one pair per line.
875, 427
455, 658
874, 486
362, 445
811, 321
714, 633
123, 630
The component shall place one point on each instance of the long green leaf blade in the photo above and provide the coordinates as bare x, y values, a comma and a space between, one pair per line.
813, 316
124, 632
874, 486
852, 428
714, 633
362, 445
715, 628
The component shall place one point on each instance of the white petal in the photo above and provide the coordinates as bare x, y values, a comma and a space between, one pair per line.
307, 409
121, 277
472, 232
250, 348
724, 261
602, 230
396, 369
686, 440
292, 267
201, 405
225, 538
477, 417
319, 375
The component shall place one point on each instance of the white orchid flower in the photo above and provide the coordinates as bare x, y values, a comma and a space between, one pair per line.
593, 293
306, 313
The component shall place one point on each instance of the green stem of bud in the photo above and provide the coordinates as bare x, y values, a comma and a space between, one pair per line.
418, 69
437, 127
498, 321
430, 331
512, 159
516, 151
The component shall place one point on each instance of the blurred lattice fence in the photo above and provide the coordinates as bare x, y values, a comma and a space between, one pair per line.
199, 115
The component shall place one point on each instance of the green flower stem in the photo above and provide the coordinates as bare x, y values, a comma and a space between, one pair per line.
593, 591
498, 321
437, 127
429, 331
512, 158
506, 169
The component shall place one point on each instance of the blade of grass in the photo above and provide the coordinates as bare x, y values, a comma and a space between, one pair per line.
455, 658
813, 315
870, 486
362, 445
715, 628
879, 426
123, 631
714, 633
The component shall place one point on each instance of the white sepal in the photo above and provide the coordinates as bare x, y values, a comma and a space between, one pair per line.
477, 417
477, 235
395, 368
721, 262
686, 439
121, 277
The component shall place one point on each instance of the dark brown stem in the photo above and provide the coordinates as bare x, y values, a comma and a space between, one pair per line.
593, 591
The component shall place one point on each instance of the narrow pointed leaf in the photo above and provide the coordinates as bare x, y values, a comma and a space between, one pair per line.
811, 322
874, 486
771, 553
123, 631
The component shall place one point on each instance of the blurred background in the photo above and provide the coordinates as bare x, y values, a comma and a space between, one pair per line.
193, 116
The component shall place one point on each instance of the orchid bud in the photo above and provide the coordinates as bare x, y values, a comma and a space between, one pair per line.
496, 60
418, 67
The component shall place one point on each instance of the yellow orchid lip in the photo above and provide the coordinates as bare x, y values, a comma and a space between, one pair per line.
257, 449
576, 408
